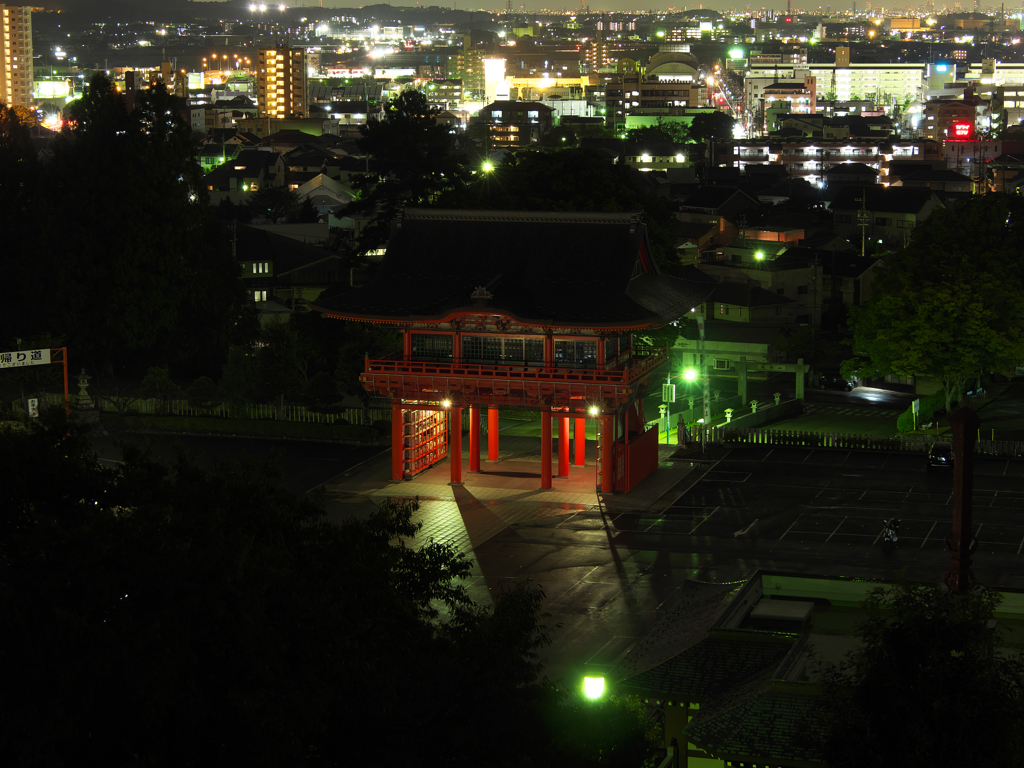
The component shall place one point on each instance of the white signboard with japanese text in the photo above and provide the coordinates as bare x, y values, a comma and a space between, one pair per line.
24, 357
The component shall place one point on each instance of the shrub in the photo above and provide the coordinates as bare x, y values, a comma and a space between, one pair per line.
929, 405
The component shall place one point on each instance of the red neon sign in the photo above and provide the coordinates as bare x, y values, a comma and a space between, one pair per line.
962, 130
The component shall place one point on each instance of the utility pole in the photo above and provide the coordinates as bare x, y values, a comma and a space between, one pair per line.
862, 218
706, 395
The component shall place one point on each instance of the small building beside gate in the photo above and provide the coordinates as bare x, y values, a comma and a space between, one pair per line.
519, 309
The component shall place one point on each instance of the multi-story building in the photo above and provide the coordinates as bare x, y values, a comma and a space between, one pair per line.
468, 66
515, 123
666, 88
16, 59
884, 83
444, 94
955, 119
809, 159
281, 82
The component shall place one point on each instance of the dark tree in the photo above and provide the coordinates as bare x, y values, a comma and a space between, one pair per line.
929, 687
950, 304
128, 265
412, 164
274, 203
18, 176
169, 616
711, 125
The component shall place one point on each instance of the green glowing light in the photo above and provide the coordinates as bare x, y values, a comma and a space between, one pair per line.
759, 255
593, 687
488, 166
690, 374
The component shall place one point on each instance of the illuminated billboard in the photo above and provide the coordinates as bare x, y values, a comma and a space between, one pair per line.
962, 131
51, 89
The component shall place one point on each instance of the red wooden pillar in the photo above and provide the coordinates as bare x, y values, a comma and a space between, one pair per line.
607, 453
474, 438
492, 434
407, 344
455, 444
397, 442
563, 446
545, 450
580, 442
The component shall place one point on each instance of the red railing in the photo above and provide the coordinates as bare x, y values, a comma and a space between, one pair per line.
640, 368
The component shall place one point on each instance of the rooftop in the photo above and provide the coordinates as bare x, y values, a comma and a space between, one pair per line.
542, 268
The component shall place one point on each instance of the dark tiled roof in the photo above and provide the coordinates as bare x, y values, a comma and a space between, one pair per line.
286, 253
692, 230
681, 627
542, 268
932, 175
887, 199
762, 720
735, 333
852, 168
715, 197
841, 263
723, 659
746, 295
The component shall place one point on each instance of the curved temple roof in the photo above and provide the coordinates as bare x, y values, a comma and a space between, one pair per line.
541, 268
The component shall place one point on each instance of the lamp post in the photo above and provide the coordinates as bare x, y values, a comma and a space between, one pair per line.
706, 394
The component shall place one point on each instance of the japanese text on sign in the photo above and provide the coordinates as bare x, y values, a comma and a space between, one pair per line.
24, 357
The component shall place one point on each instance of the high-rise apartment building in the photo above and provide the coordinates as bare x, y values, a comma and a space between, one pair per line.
281, 82
16, 50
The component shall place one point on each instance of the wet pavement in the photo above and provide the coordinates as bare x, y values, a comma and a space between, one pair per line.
610, 565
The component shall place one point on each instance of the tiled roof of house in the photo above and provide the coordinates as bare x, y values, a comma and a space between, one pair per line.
852, 169
883, 199
746, 295
762, 719
715, 197
931, 175
684, 625
840, 263
736, 333
531, 263
286, 253
712, 665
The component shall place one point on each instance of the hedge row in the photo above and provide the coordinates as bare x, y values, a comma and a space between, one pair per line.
261, 427
929, 405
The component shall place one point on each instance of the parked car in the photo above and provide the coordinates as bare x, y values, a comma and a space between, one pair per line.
834, 381
940, 456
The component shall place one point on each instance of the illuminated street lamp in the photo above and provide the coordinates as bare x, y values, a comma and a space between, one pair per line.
690, 375
759, 255
488, 166
593, 687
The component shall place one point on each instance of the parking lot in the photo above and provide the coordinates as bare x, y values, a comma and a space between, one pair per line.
820, 506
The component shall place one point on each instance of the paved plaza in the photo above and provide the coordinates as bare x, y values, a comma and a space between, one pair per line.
612, 565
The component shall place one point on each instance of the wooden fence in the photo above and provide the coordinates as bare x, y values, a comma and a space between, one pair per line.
297, 413
901, 443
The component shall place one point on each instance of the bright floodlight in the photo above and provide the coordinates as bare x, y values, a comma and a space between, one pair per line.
280, 7
263, 6
446, 403
488, 166
690, 374
593, 687
759, 255
594, 410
